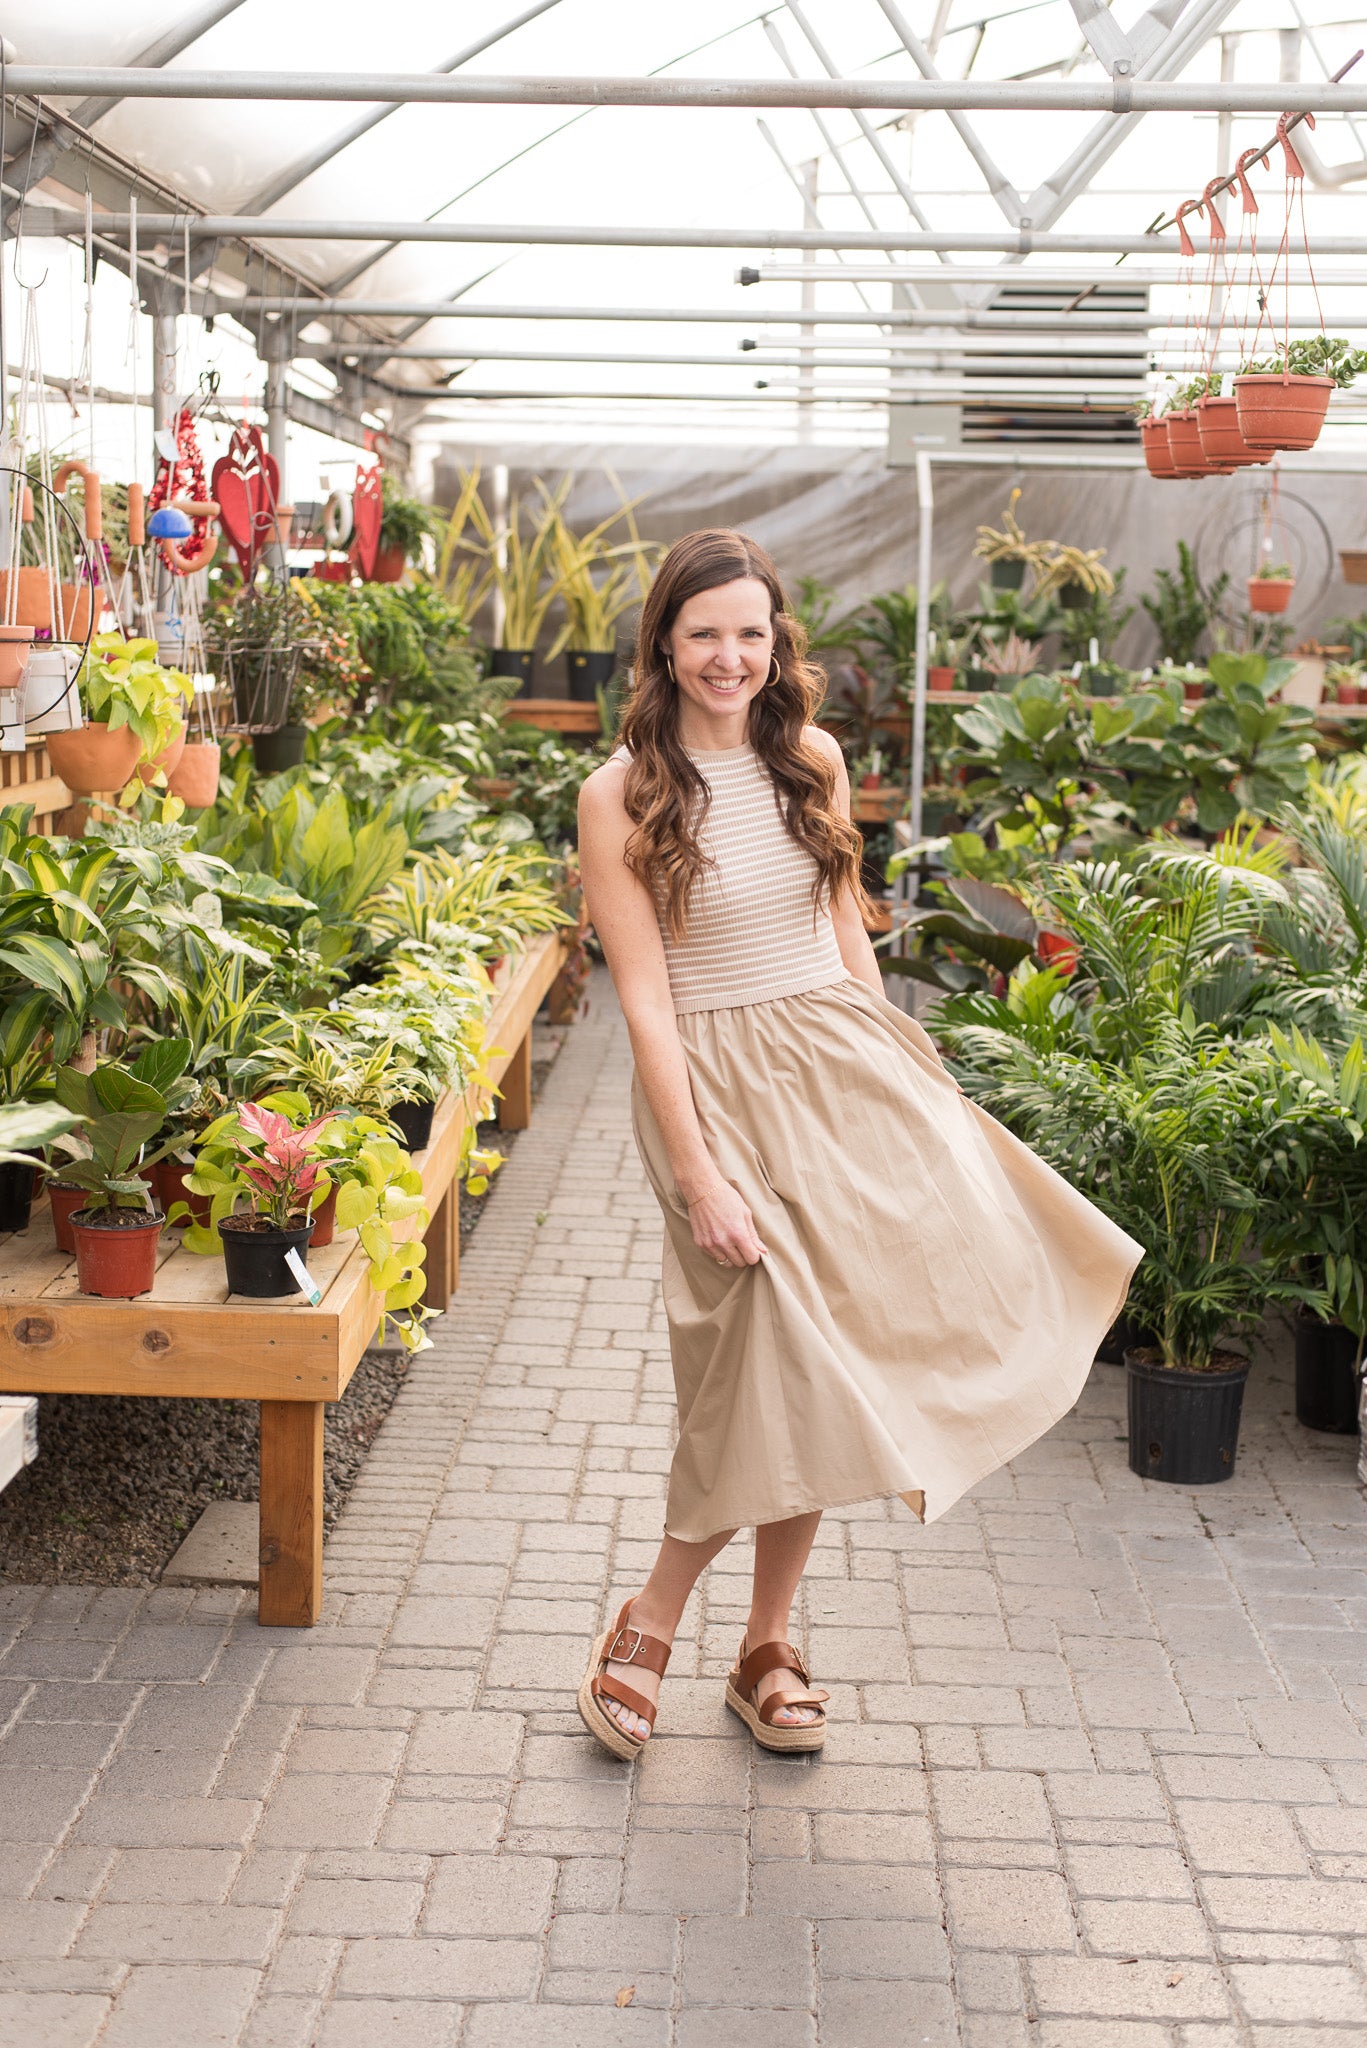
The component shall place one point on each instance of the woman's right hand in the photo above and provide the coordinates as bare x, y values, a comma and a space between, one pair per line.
724, 1228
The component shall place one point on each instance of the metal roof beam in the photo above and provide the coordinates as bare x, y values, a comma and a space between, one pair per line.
1033, 95
862, 121
998, 184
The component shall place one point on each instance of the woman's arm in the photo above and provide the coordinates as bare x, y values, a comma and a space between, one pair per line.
624, 918
856, 949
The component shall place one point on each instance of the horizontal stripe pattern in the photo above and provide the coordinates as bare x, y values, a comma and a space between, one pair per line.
753, 935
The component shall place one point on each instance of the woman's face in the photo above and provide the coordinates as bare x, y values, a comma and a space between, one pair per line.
721, 645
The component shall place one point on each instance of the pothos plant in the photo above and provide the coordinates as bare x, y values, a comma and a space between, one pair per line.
124, 684
1315, 355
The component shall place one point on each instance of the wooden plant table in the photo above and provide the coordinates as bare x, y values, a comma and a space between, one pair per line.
189, 1337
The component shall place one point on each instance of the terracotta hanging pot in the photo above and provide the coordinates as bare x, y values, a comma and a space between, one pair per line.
194, 778
1157, 449
1217, 423
1281, 411
33, 605
77, 600
1270, 593
93, 759
15, 642
167, 759
390, 564
1184, 439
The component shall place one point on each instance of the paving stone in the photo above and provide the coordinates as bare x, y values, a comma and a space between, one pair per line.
882, 1948
748, 1962
1008, 1909
354, 1906
147, 1877
39, 1806
168, 2006
439, 1968
406, 2022
183, 1934
854, 2014
317, 1810
50, 2019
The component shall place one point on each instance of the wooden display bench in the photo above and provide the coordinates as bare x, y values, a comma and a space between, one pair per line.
554, 714
189, 1337
27, 778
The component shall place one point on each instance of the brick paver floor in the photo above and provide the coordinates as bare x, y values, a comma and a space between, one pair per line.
1097, 1776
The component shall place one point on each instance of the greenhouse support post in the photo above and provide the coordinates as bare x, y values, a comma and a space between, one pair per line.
925, 510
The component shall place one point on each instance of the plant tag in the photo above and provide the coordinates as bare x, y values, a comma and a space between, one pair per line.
302, 1276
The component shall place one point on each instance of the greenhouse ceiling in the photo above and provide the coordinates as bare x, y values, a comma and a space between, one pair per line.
592, 217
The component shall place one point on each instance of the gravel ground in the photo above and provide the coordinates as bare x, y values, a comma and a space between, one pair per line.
118, 1482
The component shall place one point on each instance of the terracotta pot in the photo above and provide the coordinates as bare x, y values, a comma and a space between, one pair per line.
1193, 692
284, 524
325, 1220
1281, 412
1222, 444
64, 1202
870, 782
170, 1183
77, 600
33, 604
1270, 593
333, 572
167, 759
1347, 693
119, 1260
941, 678
194, 779
93, 758
1184, 439
1153, 434
390, 564
15, 642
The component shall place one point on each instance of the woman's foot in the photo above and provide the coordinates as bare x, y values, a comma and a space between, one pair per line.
622, 1684
770, 1690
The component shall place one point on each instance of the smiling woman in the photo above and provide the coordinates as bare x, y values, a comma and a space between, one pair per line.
834, 1335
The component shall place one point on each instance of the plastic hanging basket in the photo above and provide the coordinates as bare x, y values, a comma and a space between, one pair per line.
1184, 439
1153, 435
1222, 443
1283, 410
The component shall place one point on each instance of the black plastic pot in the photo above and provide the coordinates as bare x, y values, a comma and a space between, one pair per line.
283, 748
1006, 575
1074, 597
513, 661
589, 672
413, 1120
1125, 1334
1327, 1385
255, 1259
17, 1179
1184, 1426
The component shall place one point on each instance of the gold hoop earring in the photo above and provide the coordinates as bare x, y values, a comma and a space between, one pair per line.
778, 671
670, 668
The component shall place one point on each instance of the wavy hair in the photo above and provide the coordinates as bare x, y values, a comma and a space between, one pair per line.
666, 796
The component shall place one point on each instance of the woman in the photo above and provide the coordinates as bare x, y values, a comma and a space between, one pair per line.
872, 1287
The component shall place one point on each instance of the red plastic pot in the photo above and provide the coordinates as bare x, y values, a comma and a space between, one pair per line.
325, 1220
1193, 692
116, 1260
390, 564
1157, 449
1222, 444
1281, 411
941, 678
1270, 593
171, 1188
64, 1202
333, 572
1184, 439
1347, 693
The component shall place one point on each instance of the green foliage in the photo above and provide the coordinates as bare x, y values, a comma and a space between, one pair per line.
1103, 618
124, 684
120, 1111
406, 522
1318, 355
1182, 608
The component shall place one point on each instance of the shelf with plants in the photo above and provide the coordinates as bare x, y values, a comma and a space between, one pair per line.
236, 1006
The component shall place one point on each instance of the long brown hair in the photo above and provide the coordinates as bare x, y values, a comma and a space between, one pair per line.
666, 796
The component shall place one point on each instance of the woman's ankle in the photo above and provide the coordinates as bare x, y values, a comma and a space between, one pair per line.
767, 1631
654, 1621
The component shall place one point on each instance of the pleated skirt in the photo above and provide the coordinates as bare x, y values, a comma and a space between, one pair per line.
933, 1293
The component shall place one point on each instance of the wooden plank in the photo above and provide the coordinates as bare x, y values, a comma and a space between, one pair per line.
554, 714
47, 795
291, 1589
236, 1352
514, 1107
443, 1250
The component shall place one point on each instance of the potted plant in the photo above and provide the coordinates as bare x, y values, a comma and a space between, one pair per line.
117, 1231
594, 605
137, 712
1270, 589
1153, 438
1184, 433
1344, 678
1007, 661
519, 566
946, 652
1194, 680
256, 1153
1282, 399
1073, 576
1182, 608
1217, 424
372, 1187
1007, 552
160, 1066
405, 523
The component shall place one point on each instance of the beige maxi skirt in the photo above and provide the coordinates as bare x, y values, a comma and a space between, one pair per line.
933, 1293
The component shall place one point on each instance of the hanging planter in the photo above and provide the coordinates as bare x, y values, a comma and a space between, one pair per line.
1222, 443
194, 778
94, 758
1281, 410
168, 759
1153, 435
1184, 439
15, 642
34, 605
1270, 590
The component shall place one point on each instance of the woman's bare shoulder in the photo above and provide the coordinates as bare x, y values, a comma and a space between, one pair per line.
603, 793
822, 742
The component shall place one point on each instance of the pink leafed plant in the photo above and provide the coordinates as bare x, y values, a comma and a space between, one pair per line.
279, 1168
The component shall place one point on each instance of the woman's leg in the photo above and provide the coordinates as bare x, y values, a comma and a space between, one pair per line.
656, 1611
781, 1553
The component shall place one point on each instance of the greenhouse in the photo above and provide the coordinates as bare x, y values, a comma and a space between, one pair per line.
683, 962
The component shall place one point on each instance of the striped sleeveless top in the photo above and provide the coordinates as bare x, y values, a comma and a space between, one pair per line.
753, 934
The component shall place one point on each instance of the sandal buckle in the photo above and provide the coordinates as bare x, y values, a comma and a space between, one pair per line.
613, 1655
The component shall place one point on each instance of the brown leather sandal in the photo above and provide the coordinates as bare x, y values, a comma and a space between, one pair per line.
621, 1644
759, 1719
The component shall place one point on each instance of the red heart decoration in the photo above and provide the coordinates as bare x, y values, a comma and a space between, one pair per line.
245, 484
367, 511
